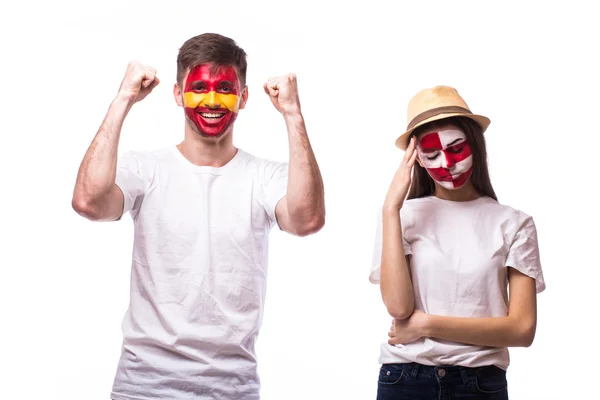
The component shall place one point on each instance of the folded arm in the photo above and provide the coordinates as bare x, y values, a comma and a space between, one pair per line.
517, 329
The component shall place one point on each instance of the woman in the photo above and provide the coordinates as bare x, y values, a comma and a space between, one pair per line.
447, 259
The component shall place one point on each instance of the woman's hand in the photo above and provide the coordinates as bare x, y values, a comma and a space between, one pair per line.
402, 179
408, 330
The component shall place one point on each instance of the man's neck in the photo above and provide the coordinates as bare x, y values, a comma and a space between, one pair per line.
212, 152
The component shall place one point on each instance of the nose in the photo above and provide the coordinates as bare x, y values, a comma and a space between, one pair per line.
212, 100
448, 161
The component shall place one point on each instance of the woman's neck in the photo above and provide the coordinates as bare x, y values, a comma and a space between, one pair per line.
467, 192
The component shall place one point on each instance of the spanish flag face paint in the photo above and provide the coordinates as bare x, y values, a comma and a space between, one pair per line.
211, 101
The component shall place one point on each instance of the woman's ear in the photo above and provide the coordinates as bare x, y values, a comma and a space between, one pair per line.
419, 159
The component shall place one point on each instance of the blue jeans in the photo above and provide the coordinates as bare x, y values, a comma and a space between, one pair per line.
422, 382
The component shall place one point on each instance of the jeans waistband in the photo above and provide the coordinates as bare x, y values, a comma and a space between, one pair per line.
448, 372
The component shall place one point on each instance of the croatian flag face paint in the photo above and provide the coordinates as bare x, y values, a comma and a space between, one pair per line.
211, 101
447, 157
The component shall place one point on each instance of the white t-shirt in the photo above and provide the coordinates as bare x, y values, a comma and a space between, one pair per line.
198, 274
459, 254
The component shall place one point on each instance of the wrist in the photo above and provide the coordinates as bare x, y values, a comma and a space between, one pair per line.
427, 326
118, 110
124, 100
292, 113
391, 208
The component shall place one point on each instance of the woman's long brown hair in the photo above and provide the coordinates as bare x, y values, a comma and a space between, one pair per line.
422, 184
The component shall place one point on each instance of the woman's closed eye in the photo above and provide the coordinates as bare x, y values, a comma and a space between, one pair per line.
455, 149
433, 157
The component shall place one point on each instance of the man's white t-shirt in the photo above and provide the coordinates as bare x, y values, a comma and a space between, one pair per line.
198, 274
459, 254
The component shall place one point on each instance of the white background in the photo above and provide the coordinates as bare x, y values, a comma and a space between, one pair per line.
533, 69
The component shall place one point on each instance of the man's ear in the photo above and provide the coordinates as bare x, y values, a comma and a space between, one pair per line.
177, 95
244, 97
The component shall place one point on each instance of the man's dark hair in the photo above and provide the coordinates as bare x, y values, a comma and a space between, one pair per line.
214, 49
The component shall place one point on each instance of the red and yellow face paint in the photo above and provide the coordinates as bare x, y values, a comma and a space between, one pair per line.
211, 101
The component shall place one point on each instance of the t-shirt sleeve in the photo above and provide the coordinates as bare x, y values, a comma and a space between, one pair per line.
131, 180
375, 275
524, 255
274, 186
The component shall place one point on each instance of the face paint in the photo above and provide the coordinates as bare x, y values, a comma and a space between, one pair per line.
447, 157
211, 101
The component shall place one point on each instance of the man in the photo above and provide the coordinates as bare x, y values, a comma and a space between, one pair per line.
202, 212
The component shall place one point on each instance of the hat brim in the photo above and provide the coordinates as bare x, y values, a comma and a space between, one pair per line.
483, 122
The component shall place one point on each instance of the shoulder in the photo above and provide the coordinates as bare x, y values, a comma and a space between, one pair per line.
512, 221
412, 206
146, 157
420, 202
262, 168
143, 163
254, 160
506, 212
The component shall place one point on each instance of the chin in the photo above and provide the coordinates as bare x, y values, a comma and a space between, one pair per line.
210, 135
460, 181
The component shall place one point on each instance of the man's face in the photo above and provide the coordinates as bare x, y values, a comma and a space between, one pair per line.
446, 155
212, 101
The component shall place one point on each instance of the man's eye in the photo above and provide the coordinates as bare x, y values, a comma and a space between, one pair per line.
432, 157
198, 88
225, 89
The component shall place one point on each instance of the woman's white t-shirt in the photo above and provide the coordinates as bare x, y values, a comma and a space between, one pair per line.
459, 252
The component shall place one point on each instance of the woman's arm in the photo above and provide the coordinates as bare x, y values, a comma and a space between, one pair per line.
396, 285
517, 329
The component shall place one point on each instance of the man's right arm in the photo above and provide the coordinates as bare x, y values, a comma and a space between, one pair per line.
96, 195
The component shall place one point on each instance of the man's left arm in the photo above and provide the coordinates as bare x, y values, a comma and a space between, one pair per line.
301, 211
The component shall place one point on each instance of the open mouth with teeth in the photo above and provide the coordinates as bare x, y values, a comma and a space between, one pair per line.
212, 115
210, 121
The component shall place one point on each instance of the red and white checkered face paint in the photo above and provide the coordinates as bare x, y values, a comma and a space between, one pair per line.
447, 157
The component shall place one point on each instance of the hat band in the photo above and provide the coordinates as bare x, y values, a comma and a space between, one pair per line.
437, 111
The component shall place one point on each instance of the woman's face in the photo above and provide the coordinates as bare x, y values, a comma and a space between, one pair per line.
446, 155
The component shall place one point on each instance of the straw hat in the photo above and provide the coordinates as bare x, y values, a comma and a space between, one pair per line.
434, 104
